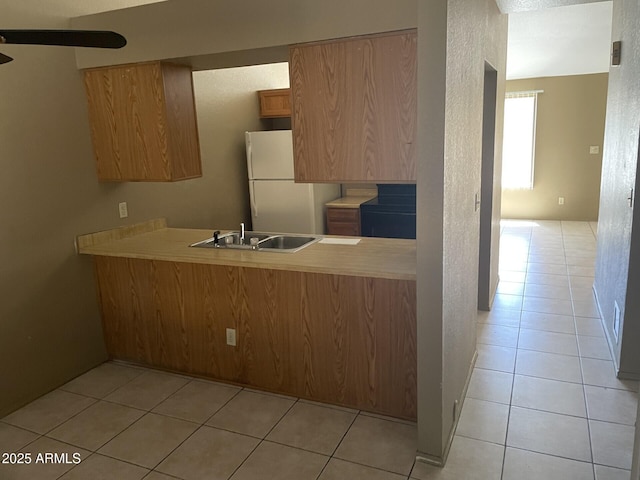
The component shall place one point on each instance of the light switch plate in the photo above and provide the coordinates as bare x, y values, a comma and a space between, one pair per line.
231, 337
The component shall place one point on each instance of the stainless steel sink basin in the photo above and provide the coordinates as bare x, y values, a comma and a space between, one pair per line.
271, 242
284, 242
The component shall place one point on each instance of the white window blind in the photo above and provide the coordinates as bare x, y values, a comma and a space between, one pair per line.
518, 148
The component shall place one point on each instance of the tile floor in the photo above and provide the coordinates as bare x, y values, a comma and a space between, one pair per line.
543, 402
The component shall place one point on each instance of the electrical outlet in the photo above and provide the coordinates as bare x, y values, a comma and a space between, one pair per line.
231, 337
594, 149
560, 200
122, 208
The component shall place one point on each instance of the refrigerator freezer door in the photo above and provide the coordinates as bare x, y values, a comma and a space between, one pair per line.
269, 155
282, 207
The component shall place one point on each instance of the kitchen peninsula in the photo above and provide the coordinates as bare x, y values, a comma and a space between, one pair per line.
333, 323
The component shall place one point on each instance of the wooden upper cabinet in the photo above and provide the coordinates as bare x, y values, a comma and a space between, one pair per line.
354, 109
143, 122
275, 103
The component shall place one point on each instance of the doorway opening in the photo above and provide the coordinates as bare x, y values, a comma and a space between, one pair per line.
486, 186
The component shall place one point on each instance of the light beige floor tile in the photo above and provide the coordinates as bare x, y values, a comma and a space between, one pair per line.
509, 318
311, 427
547, 291
581, 270
469, 459
591, 327
149, 440
197, 401
581, 282
380, 443
549, 395
582, 292
507, 302
96, 425
338, 469
209, 453
548, 365
580, 260
251, 413
548, 322
510, 288
483, 420
609, 473
612, 444
550, 433
547, 305
547, 268
549, 259
490, 385
271, 461
550, 342
585, 307
99, 467
594, 347
547, 279
42, 468
492, 357
513, 266
539, 250
501, 335
601, 373
48, 411
611, 405
102, 380
512, 276
524, 465
13, 438
147, 390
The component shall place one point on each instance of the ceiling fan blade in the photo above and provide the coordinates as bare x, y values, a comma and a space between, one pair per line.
69, 38
4, 59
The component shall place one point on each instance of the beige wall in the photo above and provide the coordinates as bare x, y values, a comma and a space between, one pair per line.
50, 327
570, 118
617, 277
455, 41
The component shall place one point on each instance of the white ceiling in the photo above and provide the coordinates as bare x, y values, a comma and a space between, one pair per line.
567, 40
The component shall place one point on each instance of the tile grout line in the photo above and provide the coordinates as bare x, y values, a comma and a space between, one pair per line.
515, 362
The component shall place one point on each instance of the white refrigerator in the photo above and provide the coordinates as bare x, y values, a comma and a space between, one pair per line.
278, 204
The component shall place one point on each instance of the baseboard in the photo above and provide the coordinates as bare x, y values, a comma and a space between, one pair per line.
610, 341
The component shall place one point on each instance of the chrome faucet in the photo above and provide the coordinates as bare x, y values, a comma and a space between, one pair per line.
242, 232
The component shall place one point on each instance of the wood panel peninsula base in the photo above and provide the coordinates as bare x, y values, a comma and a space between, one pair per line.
341, 336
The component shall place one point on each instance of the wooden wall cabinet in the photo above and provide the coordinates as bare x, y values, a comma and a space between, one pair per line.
354, 109
143, 122
275, 103
343, 221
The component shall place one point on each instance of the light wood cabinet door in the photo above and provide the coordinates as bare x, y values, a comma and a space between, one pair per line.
143, 122
343, 221
275, 103
354, 109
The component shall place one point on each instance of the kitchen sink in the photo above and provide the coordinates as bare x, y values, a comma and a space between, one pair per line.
270, 242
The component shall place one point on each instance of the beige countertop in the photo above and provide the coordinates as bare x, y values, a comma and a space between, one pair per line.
153, 240
350, 201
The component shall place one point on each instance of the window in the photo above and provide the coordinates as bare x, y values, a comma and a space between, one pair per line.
518, 148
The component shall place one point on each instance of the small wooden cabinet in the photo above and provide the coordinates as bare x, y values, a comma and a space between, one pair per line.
354, 109
343, 221
143, 122
275, 103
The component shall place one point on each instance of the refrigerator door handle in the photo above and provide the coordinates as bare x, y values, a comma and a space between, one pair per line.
252, 195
